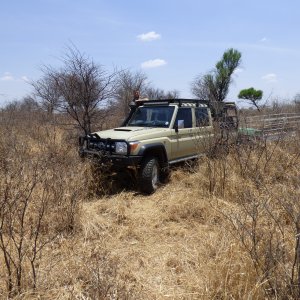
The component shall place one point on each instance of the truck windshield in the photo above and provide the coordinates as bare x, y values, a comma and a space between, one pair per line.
158, 116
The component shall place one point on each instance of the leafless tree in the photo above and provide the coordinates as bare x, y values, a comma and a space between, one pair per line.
200, 88
26, 104
46, 91
127, 83
80, 87
156, 94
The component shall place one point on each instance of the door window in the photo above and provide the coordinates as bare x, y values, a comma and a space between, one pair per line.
184, 117
202, 118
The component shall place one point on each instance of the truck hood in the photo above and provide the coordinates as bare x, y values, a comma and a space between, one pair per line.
132, 133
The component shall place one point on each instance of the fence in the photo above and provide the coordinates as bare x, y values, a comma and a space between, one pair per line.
273, 123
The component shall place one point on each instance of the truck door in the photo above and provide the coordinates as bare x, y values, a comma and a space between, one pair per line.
182, 141
204, 129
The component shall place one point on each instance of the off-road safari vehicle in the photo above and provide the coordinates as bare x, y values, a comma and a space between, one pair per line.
156, 134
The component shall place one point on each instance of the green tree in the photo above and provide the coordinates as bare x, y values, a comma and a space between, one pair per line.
252, 95
214, 86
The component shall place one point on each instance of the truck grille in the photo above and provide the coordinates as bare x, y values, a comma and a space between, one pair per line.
102, 145
106, 146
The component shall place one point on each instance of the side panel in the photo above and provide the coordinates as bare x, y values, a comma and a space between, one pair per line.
182, 143
192, 141
196, 137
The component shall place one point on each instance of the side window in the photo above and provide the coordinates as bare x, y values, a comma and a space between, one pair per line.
202, 118
184, 117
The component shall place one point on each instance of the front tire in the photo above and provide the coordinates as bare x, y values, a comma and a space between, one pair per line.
149, 175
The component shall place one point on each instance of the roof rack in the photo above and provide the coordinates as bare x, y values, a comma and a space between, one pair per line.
168, 101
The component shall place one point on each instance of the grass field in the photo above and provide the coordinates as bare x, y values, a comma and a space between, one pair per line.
224, 228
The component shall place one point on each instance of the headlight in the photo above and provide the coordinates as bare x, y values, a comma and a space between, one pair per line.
121, 148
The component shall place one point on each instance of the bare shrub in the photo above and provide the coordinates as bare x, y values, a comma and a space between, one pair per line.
40, 194
266, 218
216, 148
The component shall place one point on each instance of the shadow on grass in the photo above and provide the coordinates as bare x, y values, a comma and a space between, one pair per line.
112, 183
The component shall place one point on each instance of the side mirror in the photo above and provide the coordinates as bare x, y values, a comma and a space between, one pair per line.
179, 125
176, 128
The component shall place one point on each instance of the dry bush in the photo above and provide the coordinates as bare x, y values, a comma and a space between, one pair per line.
40, 195
262, 181
42, 187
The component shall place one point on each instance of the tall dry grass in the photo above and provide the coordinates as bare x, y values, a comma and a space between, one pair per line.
41, 192
225, 229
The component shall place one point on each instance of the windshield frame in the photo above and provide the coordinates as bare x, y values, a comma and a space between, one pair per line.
152, 113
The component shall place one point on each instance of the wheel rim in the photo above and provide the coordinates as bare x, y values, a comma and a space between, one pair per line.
155, 176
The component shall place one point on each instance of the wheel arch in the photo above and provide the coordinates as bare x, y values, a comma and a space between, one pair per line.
157, 150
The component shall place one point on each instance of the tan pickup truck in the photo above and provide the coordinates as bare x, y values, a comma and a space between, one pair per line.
156, 134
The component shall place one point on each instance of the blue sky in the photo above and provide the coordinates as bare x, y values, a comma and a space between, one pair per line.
171, 41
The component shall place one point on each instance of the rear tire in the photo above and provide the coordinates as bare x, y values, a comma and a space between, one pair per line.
149, 175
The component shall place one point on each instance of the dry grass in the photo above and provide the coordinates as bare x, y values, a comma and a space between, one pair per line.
192, 239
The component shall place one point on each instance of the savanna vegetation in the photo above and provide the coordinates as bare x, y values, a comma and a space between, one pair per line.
224, 227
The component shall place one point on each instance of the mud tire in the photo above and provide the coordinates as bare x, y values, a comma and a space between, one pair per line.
148, 178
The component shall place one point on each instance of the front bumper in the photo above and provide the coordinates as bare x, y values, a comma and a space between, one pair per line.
111, 159
104, 152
